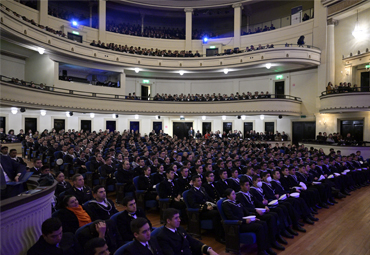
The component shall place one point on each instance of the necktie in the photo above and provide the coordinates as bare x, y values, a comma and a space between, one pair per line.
148, 247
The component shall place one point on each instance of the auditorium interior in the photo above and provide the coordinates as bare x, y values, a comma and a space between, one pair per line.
288, 73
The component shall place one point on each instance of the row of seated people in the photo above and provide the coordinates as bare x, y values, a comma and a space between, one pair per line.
344, 87
211, 97
337, 138
31, 21
257, 188
169, 53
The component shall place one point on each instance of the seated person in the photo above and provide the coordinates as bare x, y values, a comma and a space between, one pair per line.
96, 246
102, 229
236, 211
146, 183
198, 198
126, 175
46, 178
223, 183
48, 243
159, 175
79, 190
124, 219
37, 164
10, 171
101, 207
184, 181
73, 215
62, 184
107, 171
169, 189
173, 239
210, 188
143, 244
13, 156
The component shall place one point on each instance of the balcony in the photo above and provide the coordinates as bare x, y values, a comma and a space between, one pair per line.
27, 35
342, 101
52, 98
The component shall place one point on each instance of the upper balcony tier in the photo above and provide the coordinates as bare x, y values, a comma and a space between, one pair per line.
285, 59
344, 100
52, 98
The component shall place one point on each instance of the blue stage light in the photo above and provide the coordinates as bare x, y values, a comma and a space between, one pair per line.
74, 23
205, 39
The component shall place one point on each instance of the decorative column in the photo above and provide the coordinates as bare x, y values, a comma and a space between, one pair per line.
331, 52
142, 23
102, 19
43, 12
188, 28
237, 23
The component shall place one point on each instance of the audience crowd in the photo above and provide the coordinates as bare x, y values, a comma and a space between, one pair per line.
245, 174
344, 87
337, 138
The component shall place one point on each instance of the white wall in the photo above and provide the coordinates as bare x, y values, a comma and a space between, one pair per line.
345, 43
12, 67
17, 121
40, 69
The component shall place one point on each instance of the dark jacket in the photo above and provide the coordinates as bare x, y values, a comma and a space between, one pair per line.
69, 219
112, 237
82, 196
136, 248
99, 211
41, 247
124, 221
179, 243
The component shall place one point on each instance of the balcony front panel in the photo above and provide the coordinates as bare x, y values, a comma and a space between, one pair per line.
20, 96
345, 102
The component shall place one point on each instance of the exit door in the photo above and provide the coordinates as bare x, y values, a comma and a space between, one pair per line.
279, 89
145, 92
181, 129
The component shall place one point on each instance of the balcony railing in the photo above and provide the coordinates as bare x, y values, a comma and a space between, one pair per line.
345, 90
96, 95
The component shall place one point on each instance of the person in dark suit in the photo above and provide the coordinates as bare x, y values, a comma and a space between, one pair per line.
79, 190
48, 243
223, 183
102, 229
234, 180
160, 175
107, 171
96, 246
62, 184
198, 198
124, 219
126, 175
146, 183
191, 132
10, 171
184, 181
169, 189
210, 187
236, 211
143, 243
101, 207
13, 156
173, 239
37, 164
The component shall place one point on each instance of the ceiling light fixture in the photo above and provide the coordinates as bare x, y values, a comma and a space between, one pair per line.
43, 112
137, 70
136, 117
41, 50
243, 117
262, 117
92, 115
204, 117
226, 71
223, 117
268, 65
357, 32
181, 72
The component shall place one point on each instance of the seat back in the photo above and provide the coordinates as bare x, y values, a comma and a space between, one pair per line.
156, 231
115, 216
219, 207
78, 231
88, 164
136, 182
122, 249
185, 196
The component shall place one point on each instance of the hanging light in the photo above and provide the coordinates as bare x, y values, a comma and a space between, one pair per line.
181, 72
243, 117
114, 116
358, 33
268, 65
92, 115
137, 70
223, 117
226, 71
136, 117
262, 117
204, 117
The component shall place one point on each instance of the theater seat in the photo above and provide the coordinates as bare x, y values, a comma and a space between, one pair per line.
233, 237
121, 249
195, 224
